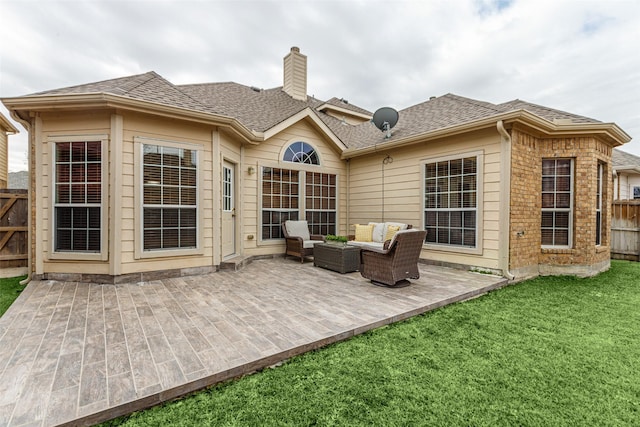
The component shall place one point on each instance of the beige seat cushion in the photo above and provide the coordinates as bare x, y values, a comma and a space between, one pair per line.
298, 229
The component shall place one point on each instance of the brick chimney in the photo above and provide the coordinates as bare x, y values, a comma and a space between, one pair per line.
295, 74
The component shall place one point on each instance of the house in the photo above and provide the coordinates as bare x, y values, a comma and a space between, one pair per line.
6, 129
138, 178
626, 175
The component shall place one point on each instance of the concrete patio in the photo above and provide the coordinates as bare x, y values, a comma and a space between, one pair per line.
74, 353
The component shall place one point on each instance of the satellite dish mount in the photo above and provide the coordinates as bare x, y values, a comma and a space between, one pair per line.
385, 119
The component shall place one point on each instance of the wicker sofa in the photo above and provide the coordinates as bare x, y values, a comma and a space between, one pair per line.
375, 234
397, 263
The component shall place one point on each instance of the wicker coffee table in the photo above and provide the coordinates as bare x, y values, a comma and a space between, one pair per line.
336, 257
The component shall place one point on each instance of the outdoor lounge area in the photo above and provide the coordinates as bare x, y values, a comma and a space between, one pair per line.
82, 353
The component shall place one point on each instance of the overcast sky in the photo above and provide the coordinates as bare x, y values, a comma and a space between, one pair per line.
578, 56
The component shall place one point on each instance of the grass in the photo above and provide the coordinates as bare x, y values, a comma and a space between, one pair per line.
9, 291
551, 351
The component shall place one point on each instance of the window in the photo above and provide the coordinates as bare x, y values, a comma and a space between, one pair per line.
280, 188
451, 202
557, 202
320, 193
301, 152
78, 196
227, 189
636, 192
599, 204
169, 197
291, 194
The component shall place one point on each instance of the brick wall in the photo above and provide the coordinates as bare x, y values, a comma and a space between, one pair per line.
527, 258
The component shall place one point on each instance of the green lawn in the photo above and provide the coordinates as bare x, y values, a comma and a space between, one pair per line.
9, 291
555, 351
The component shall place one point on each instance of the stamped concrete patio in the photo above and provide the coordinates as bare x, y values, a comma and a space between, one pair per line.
74, 353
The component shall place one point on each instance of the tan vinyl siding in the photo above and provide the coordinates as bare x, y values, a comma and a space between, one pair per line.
269, 153
403, 191
171, 132
56, 125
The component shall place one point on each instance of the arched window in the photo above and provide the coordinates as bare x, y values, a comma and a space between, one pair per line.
301, 152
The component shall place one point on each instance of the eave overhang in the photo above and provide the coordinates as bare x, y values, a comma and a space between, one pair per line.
7, 126
22, 107
627, 169
610, 132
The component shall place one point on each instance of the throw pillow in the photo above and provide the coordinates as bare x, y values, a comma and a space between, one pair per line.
378, 231
364, 232
391, 231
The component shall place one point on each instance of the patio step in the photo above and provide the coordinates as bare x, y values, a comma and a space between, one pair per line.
236, 263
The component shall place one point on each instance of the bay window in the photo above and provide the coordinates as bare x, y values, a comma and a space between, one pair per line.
169, 197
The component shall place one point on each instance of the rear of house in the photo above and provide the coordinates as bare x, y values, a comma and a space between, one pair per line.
137, 178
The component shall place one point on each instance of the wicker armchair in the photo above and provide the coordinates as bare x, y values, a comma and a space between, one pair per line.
298, 240
394, 265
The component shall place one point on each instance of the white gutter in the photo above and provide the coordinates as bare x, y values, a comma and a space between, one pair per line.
505, 201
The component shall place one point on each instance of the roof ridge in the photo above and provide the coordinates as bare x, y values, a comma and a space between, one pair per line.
176, 87
152, 75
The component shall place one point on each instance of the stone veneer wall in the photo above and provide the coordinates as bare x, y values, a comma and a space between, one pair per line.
527, 257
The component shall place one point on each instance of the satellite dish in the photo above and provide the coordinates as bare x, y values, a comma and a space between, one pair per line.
385, 118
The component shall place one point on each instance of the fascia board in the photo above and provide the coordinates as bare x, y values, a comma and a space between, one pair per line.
102, 100
301, 115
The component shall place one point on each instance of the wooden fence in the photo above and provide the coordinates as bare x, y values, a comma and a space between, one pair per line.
625, 230
13, 228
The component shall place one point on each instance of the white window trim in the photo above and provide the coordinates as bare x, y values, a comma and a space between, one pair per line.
570, 209
103, 255
140, 253
286, 146
302, 168
478, 249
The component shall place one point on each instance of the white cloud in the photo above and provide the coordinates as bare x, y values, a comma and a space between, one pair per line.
578, 56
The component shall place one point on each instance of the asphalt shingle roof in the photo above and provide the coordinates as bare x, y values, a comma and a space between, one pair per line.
544, 112
257, 109
622, 158
261, 109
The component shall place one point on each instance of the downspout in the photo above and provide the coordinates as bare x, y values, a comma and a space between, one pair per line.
505, 201
27, 125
